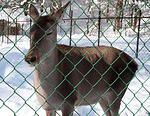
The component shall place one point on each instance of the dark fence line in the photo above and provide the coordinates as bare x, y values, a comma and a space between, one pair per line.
16, 30
92, 18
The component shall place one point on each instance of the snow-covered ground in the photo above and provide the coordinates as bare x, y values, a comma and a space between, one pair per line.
17, 93
17, 96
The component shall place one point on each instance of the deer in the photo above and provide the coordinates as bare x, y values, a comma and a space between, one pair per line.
68, 76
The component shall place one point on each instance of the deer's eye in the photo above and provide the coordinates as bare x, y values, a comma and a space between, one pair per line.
49, 33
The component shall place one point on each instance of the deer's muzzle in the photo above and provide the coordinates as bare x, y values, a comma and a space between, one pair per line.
30, 59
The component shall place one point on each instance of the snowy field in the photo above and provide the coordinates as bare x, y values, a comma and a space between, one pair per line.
17, 96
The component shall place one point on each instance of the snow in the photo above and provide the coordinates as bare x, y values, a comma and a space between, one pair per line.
17, 94
16, 84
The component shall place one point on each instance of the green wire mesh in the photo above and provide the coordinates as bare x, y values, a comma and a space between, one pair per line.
123, 24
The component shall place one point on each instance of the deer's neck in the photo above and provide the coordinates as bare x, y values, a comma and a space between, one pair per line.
49, 60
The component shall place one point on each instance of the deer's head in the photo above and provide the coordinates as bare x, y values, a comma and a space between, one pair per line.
43, 34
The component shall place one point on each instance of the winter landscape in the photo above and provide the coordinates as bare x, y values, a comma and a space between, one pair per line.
17, 95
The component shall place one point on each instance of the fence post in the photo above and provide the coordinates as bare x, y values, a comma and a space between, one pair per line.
22, 26
8, 30
107, 12
87, 23
138, 34
16, 32
3, 31
30, 26
71, 15
99, 25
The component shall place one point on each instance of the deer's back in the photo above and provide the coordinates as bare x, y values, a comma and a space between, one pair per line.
92, 70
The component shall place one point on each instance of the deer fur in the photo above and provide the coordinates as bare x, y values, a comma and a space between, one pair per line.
67, 76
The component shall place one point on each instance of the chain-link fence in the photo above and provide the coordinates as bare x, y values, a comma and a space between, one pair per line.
121, 24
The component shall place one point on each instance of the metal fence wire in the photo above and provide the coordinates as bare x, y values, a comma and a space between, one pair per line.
85, 26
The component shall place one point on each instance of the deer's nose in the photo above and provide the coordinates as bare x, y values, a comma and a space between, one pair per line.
30, 60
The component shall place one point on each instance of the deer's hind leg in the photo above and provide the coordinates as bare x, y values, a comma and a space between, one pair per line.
50, 113
110, 103
114, 101
114, 104
117, 92
105, 106
67, 109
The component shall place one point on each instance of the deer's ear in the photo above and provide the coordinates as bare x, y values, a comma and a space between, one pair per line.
59, 14
33, 12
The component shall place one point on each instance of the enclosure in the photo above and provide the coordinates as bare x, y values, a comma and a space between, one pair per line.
124, 24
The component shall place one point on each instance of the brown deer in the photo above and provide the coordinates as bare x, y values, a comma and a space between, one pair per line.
67, 76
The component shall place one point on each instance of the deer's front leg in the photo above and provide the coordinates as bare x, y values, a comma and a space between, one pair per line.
67, 109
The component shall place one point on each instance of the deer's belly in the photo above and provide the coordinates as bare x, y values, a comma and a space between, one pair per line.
51, 98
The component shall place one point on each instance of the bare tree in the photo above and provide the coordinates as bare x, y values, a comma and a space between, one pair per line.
53, 5
115, 8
